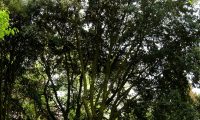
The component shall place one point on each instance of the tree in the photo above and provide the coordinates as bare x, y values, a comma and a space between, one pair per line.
12, 56
5, 30
113, 59
173, 107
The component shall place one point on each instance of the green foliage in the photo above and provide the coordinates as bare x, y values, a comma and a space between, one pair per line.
5, 29
173, 107
4, 24
99, 60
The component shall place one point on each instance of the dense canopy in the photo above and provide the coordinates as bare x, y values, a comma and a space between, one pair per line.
99, 59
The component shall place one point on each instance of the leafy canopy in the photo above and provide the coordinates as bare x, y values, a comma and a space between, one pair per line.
4, 24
